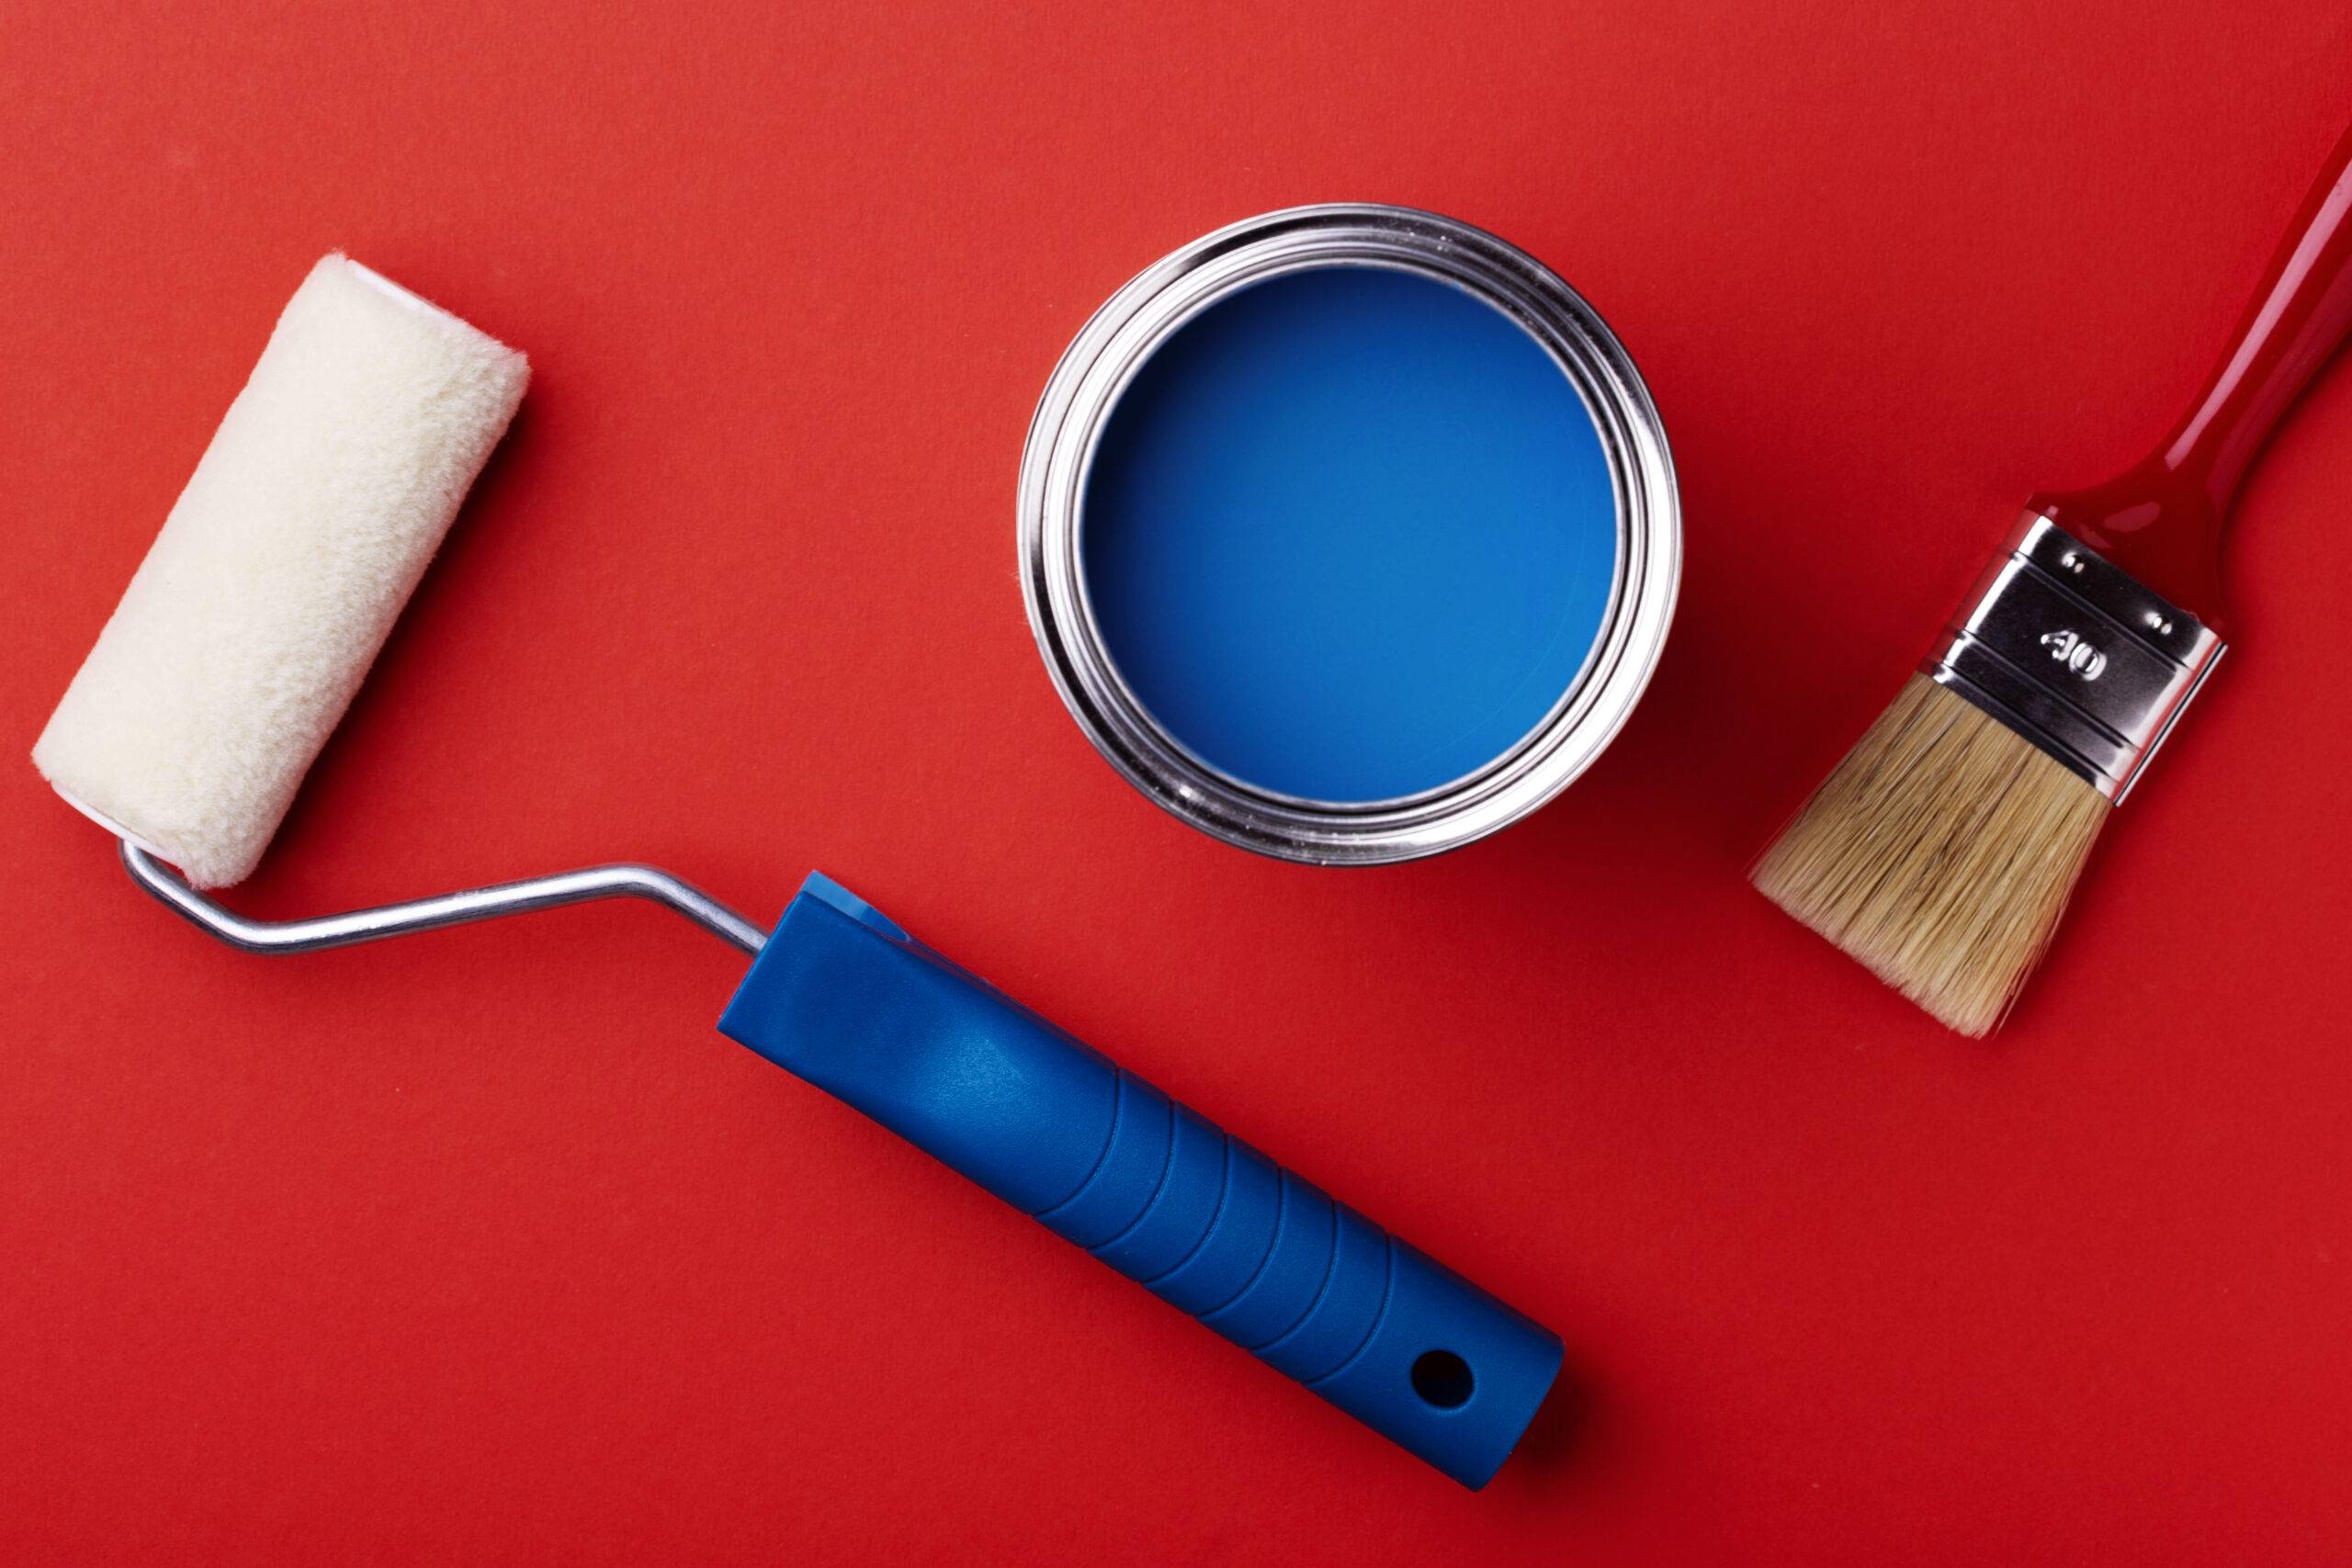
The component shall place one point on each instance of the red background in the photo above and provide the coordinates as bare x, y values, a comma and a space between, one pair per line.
483, 1245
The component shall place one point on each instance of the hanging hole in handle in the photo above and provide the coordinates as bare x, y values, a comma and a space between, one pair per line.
1442, 1378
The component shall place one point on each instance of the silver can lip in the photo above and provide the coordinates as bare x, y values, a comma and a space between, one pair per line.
1103, 359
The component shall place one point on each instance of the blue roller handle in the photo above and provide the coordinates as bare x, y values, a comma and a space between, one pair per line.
845, 999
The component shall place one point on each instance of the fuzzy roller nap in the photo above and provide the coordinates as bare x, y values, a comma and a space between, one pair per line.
261, 603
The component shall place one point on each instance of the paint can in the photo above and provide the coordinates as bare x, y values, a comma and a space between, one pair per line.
1323, 669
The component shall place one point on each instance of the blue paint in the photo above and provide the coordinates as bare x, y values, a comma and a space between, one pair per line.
1350, 534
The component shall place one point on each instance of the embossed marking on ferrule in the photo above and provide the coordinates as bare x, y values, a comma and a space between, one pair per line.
2068, 648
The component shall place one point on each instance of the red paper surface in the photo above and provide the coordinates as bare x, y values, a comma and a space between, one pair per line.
482, 1247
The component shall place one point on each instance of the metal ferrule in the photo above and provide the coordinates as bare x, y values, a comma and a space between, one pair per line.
2074, 654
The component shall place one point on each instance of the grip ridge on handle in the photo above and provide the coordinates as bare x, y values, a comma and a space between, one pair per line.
1364, 1263
1257, 1253
1237, 1240
1328, 1254
1291, 1280
1120, 1187
1166, 1235
1304, 1251
1158, 1185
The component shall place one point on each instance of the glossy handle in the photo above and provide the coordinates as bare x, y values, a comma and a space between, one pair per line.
2162, 522
846, 1000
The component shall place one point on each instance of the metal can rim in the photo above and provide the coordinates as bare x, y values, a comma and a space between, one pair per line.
1151, 308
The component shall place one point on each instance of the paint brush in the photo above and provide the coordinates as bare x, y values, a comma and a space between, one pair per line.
1941, 850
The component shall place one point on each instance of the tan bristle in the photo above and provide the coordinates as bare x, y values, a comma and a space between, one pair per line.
1940, 853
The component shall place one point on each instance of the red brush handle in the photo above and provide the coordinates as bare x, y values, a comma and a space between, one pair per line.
2162, 522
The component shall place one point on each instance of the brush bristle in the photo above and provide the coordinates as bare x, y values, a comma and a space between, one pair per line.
1940, 853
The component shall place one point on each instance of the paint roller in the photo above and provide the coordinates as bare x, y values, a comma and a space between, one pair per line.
248, 629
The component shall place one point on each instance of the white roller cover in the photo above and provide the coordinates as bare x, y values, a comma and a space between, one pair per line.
280, 569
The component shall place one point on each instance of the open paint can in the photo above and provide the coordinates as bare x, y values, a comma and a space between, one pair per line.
1349, 534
